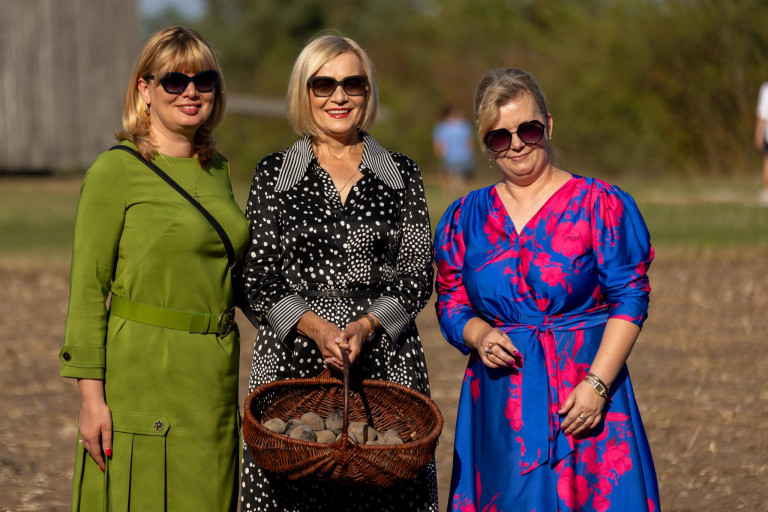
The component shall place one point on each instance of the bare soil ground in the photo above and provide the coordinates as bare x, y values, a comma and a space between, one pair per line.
700, 370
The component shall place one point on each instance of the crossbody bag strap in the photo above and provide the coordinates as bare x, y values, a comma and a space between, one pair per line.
178, 188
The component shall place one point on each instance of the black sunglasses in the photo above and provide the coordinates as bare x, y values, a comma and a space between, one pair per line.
530, 132
176, 83
324, 86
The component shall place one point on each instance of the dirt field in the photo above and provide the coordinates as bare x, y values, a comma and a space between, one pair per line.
700, 370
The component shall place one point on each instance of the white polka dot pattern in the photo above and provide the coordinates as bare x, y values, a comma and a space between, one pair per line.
304, 238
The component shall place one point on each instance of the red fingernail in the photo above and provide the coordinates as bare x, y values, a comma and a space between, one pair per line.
101, 468
516, 353
109, 452
512, 361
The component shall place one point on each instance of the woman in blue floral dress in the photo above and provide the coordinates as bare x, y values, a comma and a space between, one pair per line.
542, 281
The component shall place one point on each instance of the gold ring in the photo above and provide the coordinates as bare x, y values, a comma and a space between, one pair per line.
488, 350
582, 417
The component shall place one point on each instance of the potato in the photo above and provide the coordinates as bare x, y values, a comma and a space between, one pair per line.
335, 421
313, 421
291, 424
303, 433
326, 437
392, 436
362, 433
276, 425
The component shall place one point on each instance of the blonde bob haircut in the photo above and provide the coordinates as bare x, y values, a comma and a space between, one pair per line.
315, 55
497, 88
171, 49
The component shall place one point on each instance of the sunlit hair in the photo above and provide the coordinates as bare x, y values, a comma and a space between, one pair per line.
315, 55
171, 49
497, 88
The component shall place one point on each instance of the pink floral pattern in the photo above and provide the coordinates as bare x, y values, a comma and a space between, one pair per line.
580, 260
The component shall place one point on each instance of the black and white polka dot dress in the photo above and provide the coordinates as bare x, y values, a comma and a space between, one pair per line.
303, 238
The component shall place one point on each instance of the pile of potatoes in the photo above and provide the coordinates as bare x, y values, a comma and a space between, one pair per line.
311, 427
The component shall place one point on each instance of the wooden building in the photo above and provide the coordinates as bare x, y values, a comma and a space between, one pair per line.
64, 68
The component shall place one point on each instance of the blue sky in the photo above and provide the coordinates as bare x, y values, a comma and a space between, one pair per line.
189, 8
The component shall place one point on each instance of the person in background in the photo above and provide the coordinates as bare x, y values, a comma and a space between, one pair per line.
541, 279
340, 259
157, 370
761, 139
452, 143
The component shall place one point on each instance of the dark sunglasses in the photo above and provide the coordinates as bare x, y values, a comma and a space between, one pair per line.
176, 83
530, 132
324, 86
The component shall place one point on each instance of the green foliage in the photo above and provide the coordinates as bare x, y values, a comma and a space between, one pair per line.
648, 86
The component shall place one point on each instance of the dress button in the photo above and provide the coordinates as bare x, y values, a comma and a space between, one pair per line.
65, 356
159, 426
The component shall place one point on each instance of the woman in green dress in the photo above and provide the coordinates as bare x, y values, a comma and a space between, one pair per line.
148, 334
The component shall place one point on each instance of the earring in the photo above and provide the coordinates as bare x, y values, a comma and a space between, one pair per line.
490, 161
146, 108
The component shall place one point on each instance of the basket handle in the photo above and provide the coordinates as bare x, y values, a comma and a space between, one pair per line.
345, 360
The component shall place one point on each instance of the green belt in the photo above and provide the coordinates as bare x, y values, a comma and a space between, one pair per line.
203, 323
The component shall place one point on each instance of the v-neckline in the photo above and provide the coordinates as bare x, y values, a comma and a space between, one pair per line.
536, 214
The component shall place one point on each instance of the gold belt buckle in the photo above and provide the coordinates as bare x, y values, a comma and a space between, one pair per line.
226, 322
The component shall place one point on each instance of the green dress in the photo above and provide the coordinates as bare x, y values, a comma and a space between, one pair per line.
173, 394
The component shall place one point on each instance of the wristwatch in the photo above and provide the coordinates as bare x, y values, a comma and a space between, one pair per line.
597, 384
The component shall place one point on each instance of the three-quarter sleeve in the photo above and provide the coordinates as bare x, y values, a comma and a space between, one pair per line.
269, 294
624, 253
411, 288
453, 306
98, 226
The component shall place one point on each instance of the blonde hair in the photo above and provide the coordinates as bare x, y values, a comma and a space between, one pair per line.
315, 55
172, 49
497, 88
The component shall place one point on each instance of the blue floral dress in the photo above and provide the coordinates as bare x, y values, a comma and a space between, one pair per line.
581, 260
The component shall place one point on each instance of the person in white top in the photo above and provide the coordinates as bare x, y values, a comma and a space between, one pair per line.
761, 138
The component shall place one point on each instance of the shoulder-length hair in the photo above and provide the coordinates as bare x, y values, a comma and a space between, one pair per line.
172, 49
497, 88
315, 55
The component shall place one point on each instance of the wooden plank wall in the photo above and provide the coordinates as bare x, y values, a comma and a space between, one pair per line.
64, 68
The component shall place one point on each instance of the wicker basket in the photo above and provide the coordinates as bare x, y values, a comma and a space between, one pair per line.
381, 404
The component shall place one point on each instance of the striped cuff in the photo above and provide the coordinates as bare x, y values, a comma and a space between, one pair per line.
285, 315
391, 315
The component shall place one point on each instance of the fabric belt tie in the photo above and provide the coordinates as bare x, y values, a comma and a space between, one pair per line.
220, 324
341, 294
542, 438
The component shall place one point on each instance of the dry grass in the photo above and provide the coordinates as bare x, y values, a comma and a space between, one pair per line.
700, 368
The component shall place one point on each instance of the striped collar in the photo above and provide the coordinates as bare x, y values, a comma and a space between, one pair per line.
300, 155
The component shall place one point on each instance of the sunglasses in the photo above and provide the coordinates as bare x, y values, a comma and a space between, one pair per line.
324, 86
530, 132
176, 83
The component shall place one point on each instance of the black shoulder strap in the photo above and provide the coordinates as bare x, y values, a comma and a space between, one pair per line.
220, 230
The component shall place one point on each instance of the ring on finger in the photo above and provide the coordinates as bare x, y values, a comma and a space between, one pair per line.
582, 418
488, 350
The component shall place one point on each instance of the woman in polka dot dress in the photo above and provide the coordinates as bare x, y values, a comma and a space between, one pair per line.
340, 257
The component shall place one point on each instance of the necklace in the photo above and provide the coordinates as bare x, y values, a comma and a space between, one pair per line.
199, 173
339, 190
